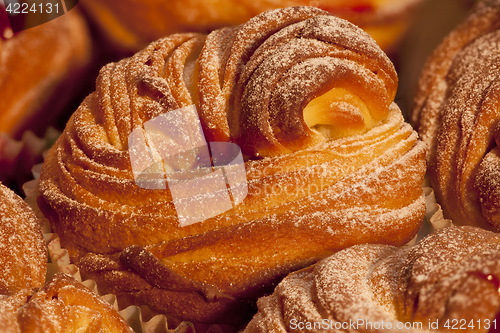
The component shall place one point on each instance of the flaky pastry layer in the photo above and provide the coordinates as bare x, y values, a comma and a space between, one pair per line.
62, 306
449, 281
457, 112
309, 193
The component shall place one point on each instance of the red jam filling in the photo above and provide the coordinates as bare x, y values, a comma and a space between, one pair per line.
358, 9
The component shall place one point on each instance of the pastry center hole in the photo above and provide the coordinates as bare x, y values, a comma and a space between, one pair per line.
338, 113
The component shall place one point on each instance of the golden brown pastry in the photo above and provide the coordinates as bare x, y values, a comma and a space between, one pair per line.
23, 255
41, 71
40, 68
132, 24
449, 281
329, 163
457, 113
63, 305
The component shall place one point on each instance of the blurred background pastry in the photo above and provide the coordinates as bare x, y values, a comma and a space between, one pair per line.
448, 279
42, 72
329, 163
432, 21
457, 113
131, 24
40, 69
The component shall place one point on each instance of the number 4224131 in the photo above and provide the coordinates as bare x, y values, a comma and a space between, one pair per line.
14, 8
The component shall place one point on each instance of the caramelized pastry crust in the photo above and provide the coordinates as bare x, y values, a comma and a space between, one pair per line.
132, 24
450, 278
23, 256
62, 306
329, 162
457, 113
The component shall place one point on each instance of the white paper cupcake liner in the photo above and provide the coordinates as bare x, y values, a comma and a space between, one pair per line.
434, 216
433, 219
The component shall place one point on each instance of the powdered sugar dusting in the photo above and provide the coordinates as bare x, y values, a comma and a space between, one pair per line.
63, 305
448, 275
457, 111
250, 84
22, 250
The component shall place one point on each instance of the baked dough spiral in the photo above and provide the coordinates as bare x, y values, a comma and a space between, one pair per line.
26, 303
449, 278
329, 162
23, 255
63, 306
457, 112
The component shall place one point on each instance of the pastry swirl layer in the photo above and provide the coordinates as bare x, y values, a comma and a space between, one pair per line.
450, 277
63, 305
329, 162
457, 112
